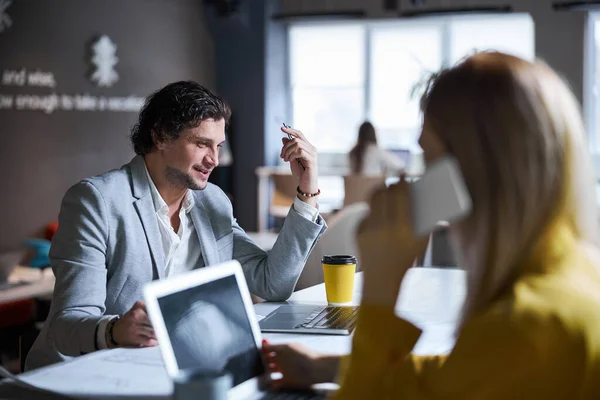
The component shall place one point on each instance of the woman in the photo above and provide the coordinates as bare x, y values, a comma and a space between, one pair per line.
530, 326
366, 158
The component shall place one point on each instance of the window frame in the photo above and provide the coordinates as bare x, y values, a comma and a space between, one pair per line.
589, 68
443, 22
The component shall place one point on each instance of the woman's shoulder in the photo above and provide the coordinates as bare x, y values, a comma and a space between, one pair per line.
562, 306
572, 280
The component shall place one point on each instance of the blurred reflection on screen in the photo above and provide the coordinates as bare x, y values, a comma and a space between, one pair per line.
209, 330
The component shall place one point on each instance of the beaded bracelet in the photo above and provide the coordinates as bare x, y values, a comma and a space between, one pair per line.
109, 333
307, 194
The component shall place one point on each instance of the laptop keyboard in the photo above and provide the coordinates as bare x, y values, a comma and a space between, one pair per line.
331, 318
300, 395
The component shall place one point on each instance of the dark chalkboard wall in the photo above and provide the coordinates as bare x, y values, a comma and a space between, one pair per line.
42, 155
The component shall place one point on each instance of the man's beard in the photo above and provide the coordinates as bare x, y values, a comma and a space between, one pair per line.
179, 178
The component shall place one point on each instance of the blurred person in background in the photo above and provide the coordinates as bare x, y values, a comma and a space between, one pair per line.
530, 325
367, 158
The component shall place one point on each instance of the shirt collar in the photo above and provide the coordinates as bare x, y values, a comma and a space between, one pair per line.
188, 201
159, 204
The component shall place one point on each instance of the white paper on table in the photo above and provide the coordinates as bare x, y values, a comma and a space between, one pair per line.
124, 372
141, 372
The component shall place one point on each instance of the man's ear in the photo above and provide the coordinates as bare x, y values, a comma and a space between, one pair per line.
158, 142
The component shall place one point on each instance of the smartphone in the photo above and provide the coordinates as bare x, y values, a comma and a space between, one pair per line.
440, 195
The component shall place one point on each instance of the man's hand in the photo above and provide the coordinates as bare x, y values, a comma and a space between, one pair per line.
299, 366
298, 148
134, 328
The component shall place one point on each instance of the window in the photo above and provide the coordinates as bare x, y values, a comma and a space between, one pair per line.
327, 78
400, 56
513, 34
344, 73
592, 87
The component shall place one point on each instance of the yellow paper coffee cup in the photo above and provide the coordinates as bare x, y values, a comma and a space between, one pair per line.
339, 272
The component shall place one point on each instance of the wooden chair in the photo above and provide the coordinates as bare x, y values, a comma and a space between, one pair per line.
284, 193
358, 188
16, 317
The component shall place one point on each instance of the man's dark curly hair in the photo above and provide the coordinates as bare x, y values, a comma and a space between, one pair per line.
170, 110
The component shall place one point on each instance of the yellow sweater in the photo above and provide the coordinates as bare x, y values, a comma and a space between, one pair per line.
540, 340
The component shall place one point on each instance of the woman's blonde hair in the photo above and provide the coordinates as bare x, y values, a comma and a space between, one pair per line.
516, 130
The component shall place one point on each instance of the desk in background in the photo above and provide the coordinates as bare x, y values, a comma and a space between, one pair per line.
331, 198
430, 298
23, 302
30, 283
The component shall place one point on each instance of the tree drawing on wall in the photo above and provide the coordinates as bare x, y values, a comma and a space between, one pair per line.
5, 20
104, 59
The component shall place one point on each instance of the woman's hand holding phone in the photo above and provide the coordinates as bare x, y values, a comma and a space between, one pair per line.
402, 216
387, 244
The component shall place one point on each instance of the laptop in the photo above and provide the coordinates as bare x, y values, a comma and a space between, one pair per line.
300, 318
204, 320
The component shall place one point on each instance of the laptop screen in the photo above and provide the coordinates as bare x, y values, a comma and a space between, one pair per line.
209, 330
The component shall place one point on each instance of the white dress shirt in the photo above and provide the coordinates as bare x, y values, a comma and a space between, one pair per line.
181, 249
377, 162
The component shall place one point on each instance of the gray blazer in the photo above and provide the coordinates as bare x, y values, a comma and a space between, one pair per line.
108, 246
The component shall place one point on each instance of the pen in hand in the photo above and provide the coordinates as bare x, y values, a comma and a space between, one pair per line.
291, 138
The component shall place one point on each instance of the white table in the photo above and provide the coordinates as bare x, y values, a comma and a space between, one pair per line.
430, 298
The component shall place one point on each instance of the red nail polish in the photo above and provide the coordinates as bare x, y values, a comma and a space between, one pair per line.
265, 341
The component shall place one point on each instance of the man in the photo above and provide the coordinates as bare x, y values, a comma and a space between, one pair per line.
158, 216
